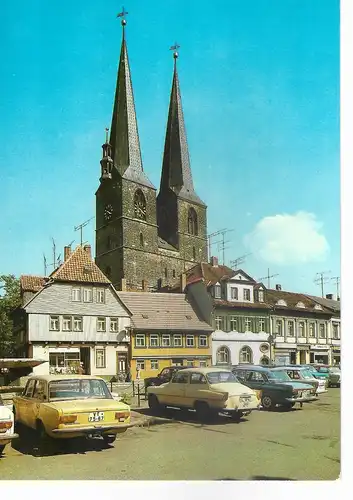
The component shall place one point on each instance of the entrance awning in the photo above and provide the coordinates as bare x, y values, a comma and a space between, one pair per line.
20, 362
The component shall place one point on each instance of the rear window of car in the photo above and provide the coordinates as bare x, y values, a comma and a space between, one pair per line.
78, 389
220, 377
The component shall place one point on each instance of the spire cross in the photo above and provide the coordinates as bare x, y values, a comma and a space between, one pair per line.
175, 47
122, 14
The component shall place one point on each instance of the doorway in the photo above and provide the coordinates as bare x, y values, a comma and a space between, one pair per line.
121, 363
85, 357
302, 357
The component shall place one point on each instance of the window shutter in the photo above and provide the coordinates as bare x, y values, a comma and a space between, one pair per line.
255, 324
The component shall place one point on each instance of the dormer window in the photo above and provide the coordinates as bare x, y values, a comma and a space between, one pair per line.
261, 295
301, 305
217, 291
234, 293
281, 302
246, 294
318, 307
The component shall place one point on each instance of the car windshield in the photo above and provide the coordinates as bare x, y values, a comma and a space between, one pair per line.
306, 374
322, 369
220, 377
60, 390
278, 376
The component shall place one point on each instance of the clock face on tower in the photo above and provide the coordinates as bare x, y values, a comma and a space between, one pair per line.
108, 212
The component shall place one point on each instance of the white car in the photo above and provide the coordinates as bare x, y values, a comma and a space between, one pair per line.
206, 390
6, 426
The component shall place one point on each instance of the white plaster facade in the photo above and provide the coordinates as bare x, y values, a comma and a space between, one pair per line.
235, 342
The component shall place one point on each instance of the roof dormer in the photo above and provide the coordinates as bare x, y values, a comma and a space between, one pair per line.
318, 307
281, 302
301, 305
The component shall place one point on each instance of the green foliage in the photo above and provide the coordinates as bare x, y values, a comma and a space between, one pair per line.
10, 298
125, 398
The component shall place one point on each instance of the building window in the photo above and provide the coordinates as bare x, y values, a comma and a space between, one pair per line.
189, 363
166, 273
114, 325
246, 294
177, 362
140, 340
54, 323
140, 363
233, 323
192, 222
203, 341
322, 332
141, 240
234, 293
67, 323
217, 292
290, 328
261, 295
174, 274
165, 340
100, 358
190, 341
154, 364
335, 335
77, 323
76, 295
100, 295
248, 324
223, 355
203, 363
219, 323
87, 295
177, 339
264, 361
140, 205
100, 324
154, 340
311, 330
279, 330
301, 329
262, 325
245, 355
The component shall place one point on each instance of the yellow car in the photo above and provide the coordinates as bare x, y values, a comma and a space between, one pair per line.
206, 390
68, 406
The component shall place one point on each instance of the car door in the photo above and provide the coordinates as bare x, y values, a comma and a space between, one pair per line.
197, 389
174, 393
23, 402
33, 407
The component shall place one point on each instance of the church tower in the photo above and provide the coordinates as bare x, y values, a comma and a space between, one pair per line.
126, 221
181, 214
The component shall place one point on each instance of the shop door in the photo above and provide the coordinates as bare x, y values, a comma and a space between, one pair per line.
85, 357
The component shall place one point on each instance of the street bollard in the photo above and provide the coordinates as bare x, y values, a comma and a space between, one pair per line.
138, 395
133, 388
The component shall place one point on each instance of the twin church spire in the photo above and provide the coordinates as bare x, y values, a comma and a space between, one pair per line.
124, 142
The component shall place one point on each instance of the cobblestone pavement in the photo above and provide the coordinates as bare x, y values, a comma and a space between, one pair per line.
300, 444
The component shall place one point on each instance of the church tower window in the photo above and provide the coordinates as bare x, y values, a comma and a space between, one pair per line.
192, 222
141, 240
140, 205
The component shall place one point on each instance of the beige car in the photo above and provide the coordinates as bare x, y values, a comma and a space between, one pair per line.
206, 390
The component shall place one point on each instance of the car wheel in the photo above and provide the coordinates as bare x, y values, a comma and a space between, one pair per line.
45, 442
203, 411
153, 402
236, 416
109, 439
268, 403
289, 405
2, 447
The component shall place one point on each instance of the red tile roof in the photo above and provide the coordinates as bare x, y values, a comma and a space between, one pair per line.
79, 267
32, 283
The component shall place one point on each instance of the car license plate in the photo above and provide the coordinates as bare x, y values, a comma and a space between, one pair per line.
96, 416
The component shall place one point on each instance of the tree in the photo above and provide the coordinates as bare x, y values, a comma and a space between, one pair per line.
10, 298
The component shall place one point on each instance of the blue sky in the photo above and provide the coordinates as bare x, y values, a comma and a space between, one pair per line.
260, 89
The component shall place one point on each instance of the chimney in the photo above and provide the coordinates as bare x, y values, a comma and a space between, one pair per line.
123, 285
67, 253
329, 296
278, 287
144, 286
182, 283
87, 249
214, 261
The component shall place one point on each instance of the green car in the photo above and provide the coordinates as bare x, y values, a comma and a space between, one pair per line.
334, 379
317, 373
274, 387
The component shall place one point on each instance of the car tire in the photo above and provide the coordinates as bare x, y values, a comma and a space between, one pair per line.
109, 439
2, 447
289, 405
154, 403
45, 442
268, 403
203, 411
236, 416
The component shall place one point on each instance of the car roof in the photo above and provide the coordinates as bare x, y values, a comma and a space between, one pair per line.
206, 370
50, 378
251, 367
290, 367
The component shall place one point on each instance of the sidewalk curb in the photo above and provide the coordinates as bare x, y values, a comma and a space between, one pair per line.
146, 421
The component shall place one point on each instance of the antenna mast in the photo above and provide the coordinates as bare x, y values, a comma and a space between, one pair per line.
268, 278
234, 264
337, 281
80, 228
321, 279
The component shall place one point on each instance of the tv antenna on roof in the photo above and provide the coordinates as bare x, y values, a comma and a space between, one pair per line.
234, 264
337, 280
80, 228
321, 279
268, 278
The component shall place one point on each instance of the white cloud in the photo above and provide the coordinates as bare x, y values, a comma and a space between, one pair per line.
288, 239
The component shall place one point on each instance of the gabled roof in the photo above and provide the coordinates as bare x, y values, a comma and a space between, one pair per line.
292, 299
247, 276
211, 274
334, 305
162, 311
32, 283
79, 267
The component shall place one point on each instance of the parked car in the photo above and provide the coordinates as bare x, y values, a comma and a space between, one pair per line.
323, 370
164, 376
274, 386
302, 374
334, 379
206, 390
68, 406
6, 426
314, 372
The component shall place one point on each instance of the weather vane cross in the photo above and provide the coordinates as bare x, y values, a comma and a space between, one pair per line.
175, 47
122, 14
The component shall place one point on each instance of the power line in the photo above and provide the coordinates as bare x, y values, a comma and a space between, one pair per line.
268, 277
321, 279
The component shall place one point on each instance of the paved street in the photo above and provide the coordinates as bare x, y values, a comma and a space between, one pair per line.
300, 444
